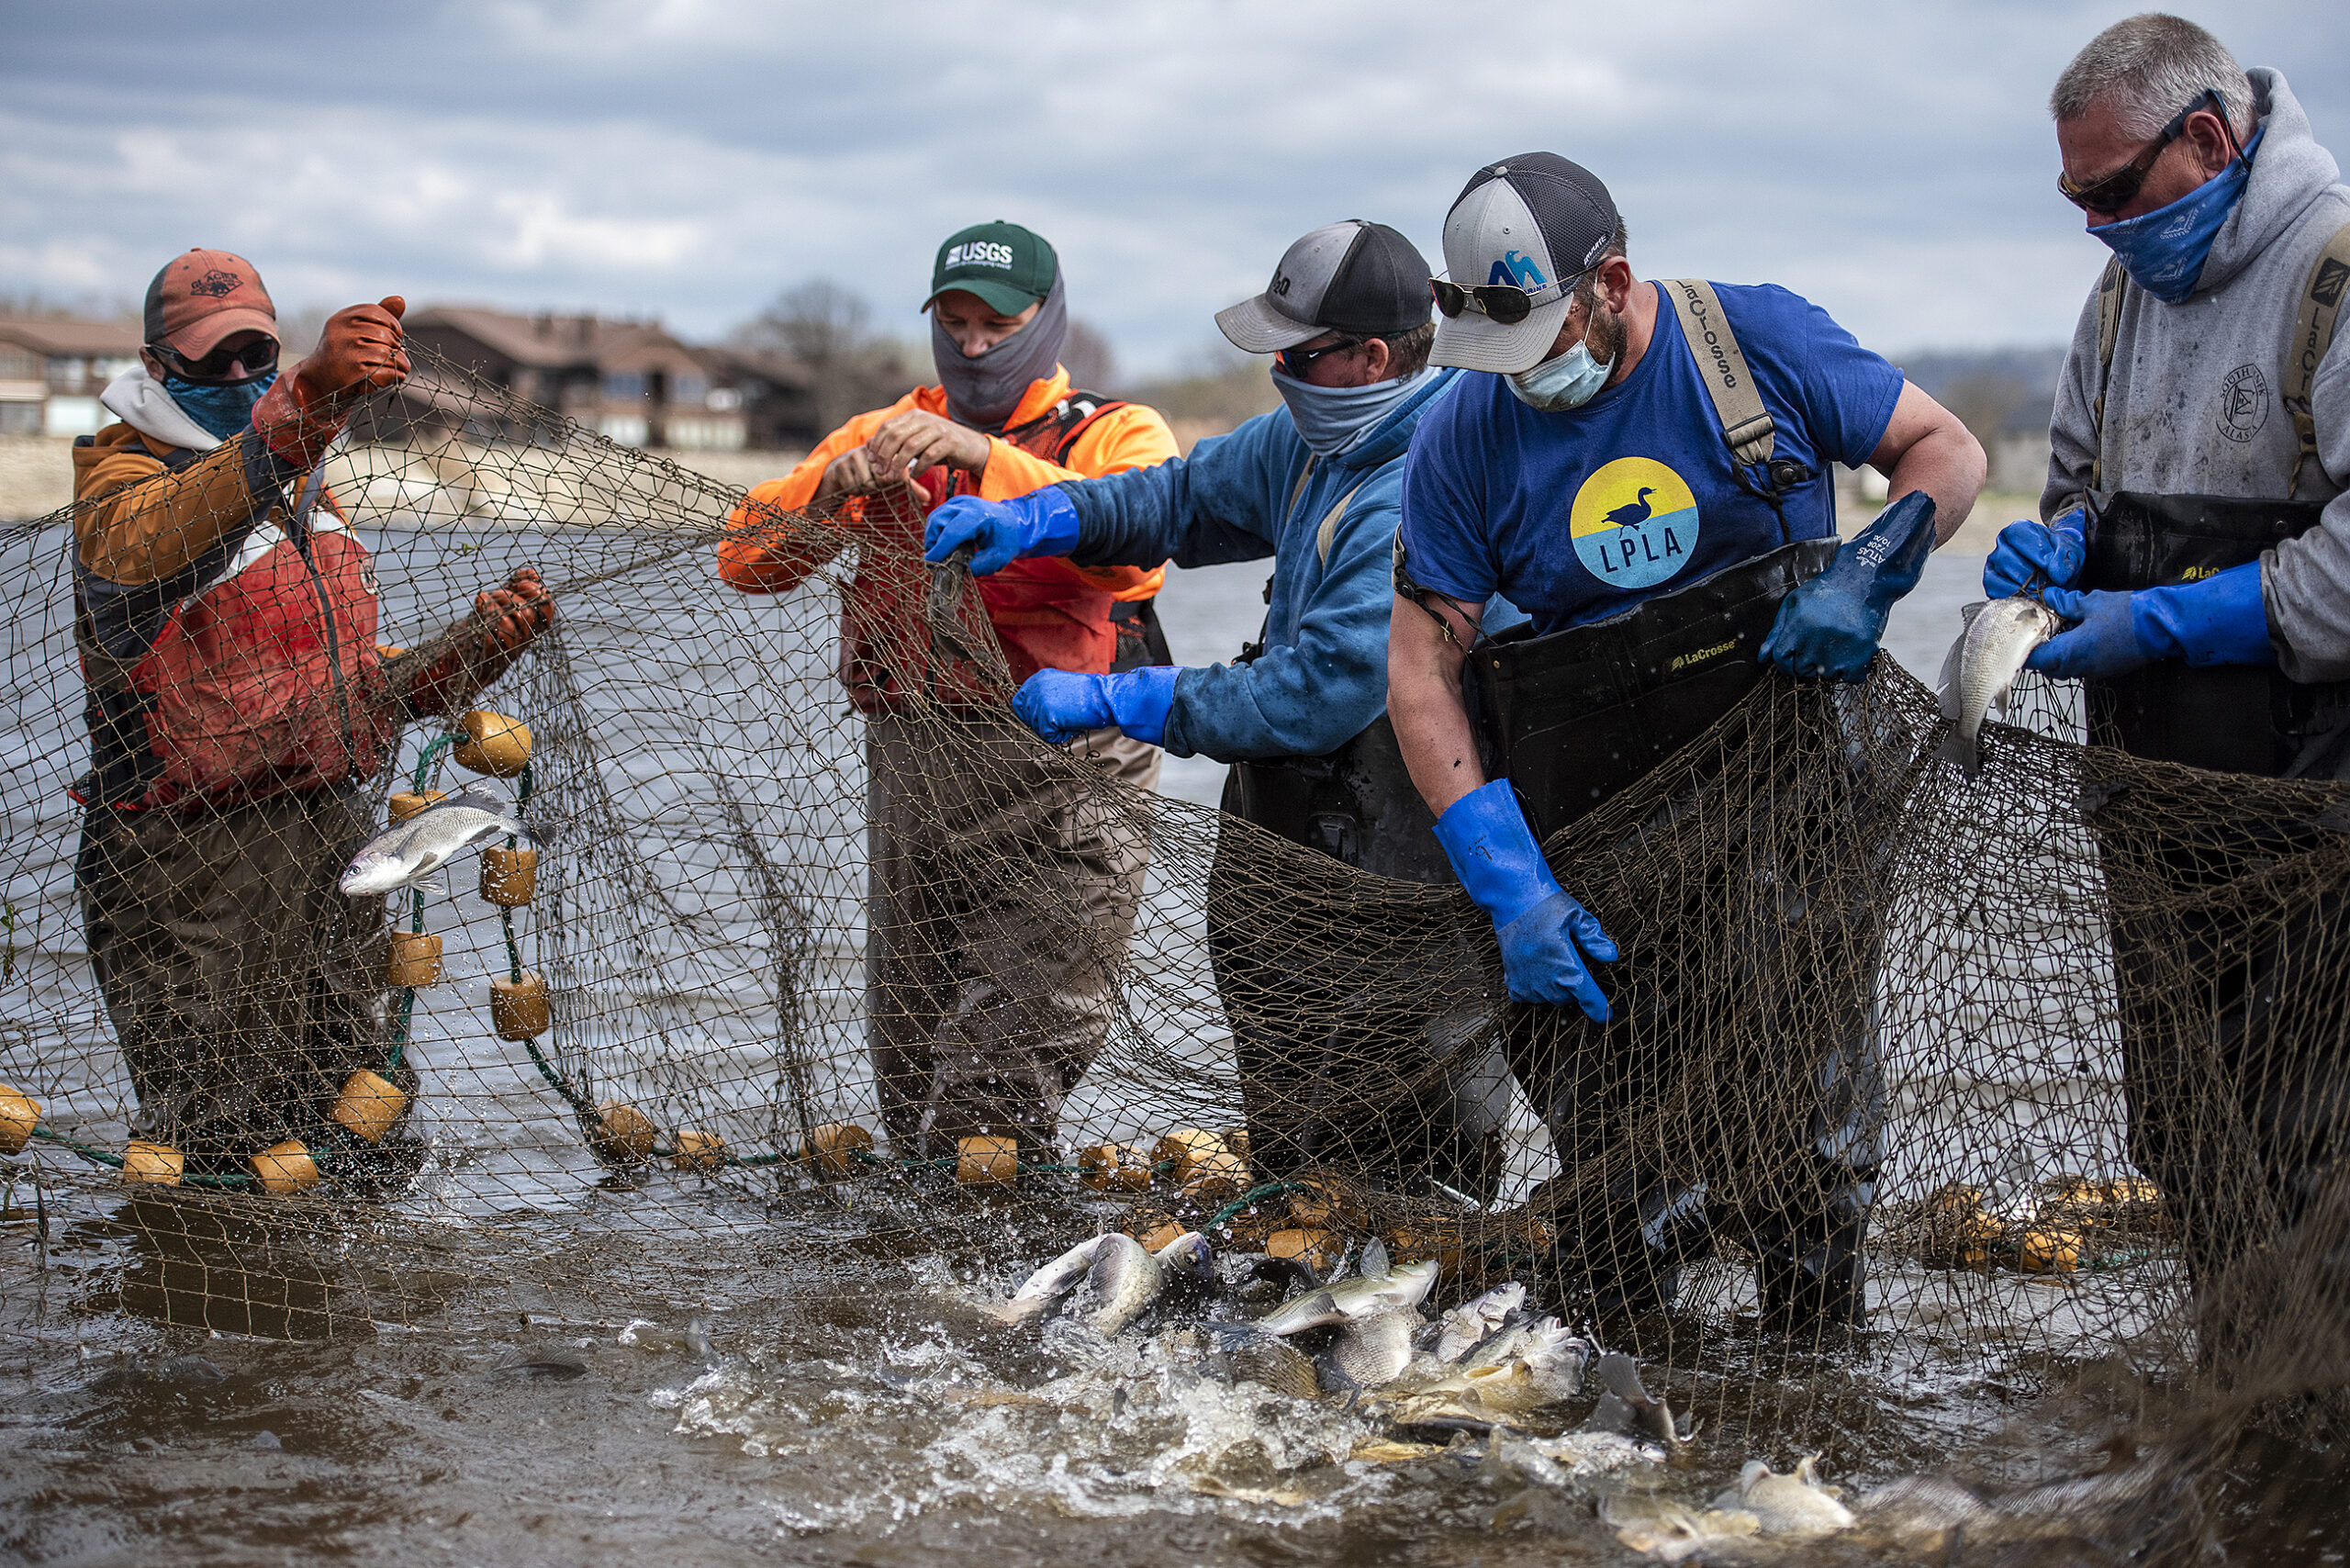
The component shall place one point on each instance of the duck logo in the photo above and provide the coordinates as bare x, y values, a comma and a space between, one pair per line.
1634, 523
1519, 270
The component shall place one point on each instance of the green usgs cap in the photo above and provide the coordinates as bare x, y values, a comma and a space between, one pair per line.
1001, 263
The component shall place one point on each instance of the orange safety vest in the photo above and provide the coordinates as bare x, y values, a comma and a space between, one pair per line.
1047, 614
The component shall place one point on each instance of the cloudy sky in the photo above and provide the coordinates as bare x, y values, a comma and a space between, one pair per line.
689, 158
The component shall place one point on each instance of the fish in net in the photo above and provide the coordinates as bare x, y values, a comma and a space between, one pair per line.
2055, 1049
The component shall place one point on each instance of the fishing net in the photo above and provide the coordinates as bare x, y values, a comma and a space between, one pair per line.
2067, 1031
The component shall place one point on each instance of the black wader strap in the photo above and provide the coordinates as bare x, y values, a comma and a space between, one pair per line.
2313, 327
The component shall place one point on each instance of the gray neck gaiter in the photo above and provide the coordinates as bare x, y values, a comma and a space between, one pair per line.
983, 389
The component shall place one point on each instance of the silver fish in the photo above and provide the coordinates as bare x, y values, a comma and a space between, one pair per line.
1405, 1284
1041, 1290
1981, 665
1522, 1368
1472, 1321
404, 854
1792, 1505
1630, 1408
1671, 1529
1372, 1350
1276, 1365
1125, 1280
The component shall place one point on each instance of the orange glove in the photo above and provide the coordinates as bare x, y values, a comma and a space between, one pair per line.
359, 352
505, 621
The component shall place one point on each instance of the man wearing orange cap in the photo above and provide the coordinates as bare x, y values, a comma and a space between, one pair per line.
1002, 891
225, 617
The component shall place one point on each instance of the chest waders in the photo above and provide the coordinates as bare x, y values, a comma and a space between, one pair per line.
2176, 921
1573, 720
1394, 1091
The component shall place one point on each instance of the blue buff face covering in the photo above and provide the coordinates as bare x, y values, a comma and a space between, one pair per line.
2165, 250
222, 410
1329, 419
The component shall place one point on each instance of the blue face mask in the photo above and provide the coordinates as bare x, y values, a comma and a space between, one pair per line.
1330, 420
1564, 381
2165, 250
222, 410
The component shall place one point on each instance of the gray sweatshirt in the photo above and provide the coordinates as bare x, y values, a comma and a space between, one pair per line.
2193, 406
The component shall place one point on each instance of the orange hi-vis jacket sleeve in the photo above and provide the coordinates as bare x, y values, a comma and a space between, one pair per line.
1133, 436
135, 523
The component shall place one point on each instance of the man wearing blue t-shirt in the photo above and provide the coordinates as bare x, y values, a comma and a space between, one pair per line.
1645, 472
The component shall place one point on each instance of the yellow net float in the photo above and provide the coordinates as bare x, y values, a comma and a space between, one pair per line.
146, 1164
1317, 1250
985, 1161
518, 1009
833, 1148
1154, 1230
408, 802
1184, 1149
494, 744
698, 1152
286, 1168
2051, 1251
20, 1114
623, 1135
510, 876
368, 1105
1215, 1175
415, 961
1113, 1168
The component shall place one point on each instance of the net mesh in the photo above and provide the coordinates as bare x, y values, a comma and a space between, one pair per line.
1854, 981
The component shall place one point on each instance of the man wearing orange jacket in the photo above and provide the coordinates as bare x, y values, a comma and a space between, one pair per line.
226, 621
1003, 892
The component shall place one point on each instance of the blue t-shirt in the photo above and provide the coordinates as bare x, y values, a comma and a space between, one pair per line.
1582, 514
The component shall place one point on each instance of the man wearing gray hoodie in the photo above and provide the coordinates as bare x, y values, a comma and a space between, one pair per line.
2195, 526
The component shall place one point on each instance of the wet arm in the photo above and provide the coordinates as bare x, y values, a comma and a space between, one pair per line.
1926, 447
1426, 648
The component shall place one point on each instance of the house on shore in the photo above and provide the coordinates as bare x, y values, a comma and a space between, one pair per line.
629, 381
51, 371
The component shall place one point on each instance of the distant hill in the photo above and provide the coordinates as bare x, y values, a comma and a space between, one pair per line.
1998, 392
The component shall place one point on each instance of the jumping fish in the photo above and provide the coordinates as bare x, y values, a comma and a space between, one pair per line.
1039, 1292
1472, 1321
1791, 1504
1405, 1284
1630, 1408
1370, 1351
404, 854
1670, 1530
1981, 665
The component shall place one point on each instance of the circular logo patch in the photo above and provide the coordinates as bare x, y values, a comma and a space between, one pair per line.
1634, 523
2243, 402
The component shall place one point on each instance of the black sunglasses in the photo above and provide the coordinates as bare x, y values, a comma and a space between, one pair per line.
1504, 302
1295, 363
2117, 190
257, 358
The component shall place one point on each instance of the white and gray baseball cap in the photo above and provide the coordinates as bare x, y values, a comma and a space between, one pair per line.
1356, 277
1535, 220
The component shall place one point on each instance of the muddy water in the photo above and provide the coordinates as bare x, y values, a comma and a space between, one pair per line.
754, 1373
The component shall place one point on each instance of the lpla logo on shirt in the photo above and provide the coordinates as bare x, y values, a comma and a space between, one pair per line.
1634, 523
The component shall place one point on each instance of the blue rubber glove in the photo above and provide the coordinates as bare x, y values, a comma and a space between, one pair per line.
2054, 549
1061, 705
2220, 621
1830, 624
1546, 936
1041, 523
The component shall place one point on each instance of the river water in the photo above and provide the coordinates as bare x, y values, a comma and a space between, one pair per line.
535, 1362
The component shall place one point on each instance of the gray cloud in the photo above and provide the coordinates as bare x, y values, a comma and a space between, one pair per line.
691, 157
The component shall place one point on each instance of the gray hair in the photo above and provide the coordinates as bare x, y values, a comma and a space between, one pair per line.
2147, 69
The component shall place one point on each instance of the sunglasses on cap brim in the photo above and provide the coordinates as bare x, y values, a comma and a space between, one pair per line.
1503, 303
256, 358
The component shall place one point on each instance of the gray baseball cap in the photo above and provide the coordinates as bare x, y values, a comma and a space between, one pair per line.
1538, 221
1356, 277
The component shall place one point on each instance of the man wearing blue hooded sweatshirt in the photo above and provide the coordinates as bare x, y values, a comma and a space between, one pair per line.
2194, 528
1315, 485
